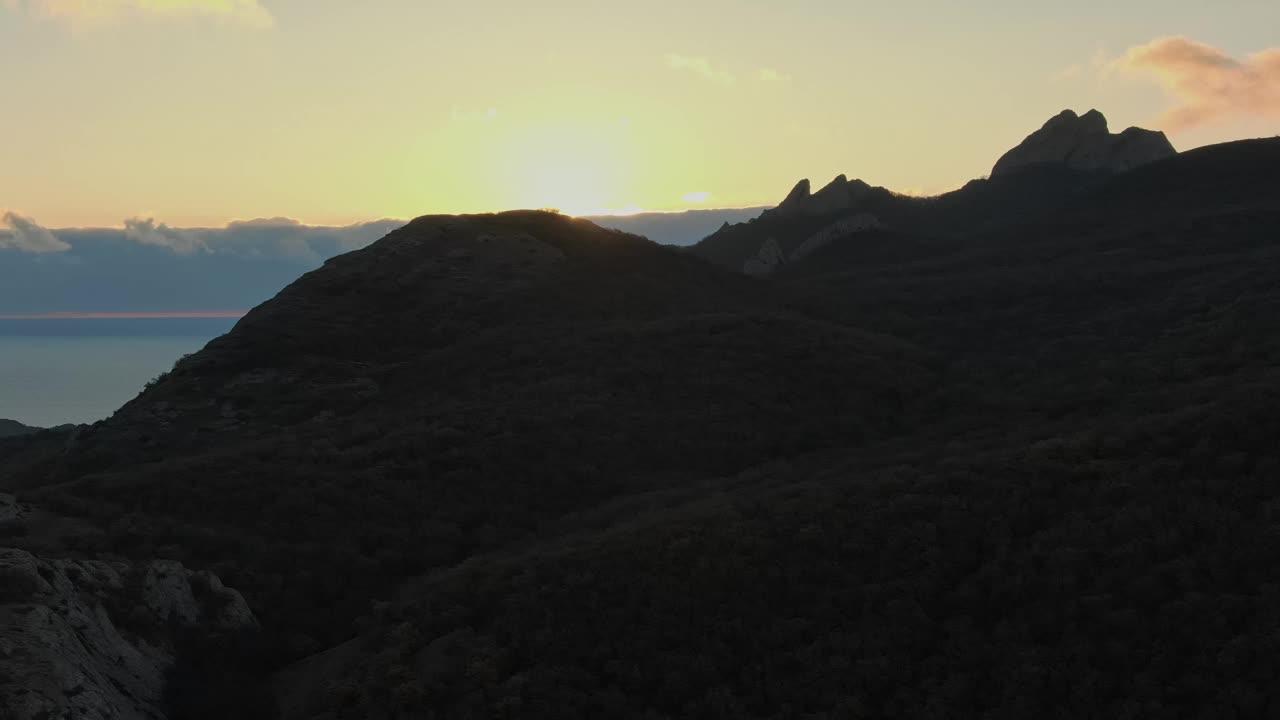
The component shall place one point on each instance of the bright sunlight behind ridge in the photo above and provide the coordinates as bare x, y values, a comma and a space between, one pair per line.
197, 112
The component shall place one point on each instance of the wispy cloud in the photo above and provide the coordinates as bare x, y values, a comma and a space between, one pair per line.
26, 235
700, 66
249, 13
150, 232
1098, 64
697, 197
1209, 85
462, 115
267, 238
771, 75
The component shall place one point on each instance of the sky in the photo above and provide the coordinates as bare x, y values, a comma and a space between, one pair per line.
188, 113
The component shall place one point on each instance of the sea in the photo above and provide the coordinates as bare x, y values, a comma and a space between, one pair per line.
80, 370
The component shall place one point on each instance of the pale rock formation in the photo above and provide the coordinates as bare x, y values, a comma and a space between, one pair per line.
767, 261
771, 256
1084, 142
861, 222
88, 639
10, 510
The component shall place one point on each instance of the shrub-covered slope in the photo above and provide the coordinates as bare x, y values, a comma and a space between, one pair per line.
454, 387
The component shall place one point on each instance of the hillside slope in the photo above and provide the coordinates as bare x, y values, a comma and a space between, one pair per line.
459, 385
13, 428
1068, 158
520, 466
1084, 528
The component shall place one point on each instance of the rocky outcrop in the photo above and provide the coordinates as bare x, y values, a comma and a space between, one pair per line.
771, 255
861, 222
1084, 142
839, 194
767, 261
91, 639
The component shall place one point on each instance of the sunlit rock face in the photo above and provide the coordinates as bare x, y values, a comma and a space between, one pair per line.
1084, 142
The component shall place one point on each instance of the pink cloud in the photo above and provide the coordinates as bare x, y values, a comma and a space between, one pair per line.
1209, 85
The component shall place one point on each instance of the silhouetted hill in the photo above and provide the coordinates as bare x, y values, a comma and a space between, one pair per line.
9, 428
459, 385
13, 428
1069, 157
1085, 526
675, 228
520, 466
1083, 142
979, 205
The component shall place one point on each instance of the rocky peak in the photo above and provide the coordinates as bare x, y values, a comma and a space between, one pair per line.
839, 194
836, 185
797, 196
1085, 142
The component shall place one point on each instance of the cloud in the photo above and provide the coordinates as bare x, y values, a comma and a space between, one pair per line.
271, 222
149, 232
26, 235
1099, 64
771, 75
276, 238
290, 238
700, 66
249, 13
697, 197
1209, 85
460, 115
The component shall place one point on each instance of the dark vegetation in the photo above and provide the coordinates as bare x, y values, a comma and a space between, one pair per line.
1029, 471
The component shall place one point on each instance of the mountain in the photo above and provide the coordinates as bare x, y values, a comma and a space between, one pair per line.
463, 385
675, 228
1084, 142
843, 208
518, 465
13, 428
1083, 523
9, 428
154, 268
1068, 157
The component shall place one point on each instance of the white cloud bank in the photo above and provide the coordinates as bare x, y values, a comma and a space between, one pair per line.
150, 232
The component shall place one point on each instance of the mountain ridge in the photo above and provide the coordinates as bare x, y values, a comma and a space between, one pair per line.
1069, 156
1084, 142
521, 465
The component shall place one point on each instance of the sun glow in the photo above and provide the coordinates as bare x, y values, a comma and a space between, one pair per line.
576, 167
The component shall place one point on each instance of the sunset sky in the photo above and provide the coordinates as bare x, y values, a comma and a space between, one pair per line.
198, 112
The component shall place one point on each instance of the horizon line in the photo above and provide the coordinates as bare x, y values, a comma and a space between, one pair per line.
175, 315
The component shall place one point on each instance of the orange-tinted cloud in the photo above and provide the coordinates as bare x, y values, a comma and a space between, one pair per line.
1209, 84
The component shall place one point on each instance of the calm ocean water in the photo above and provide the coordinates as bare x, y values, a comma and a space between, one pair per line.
79, 371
